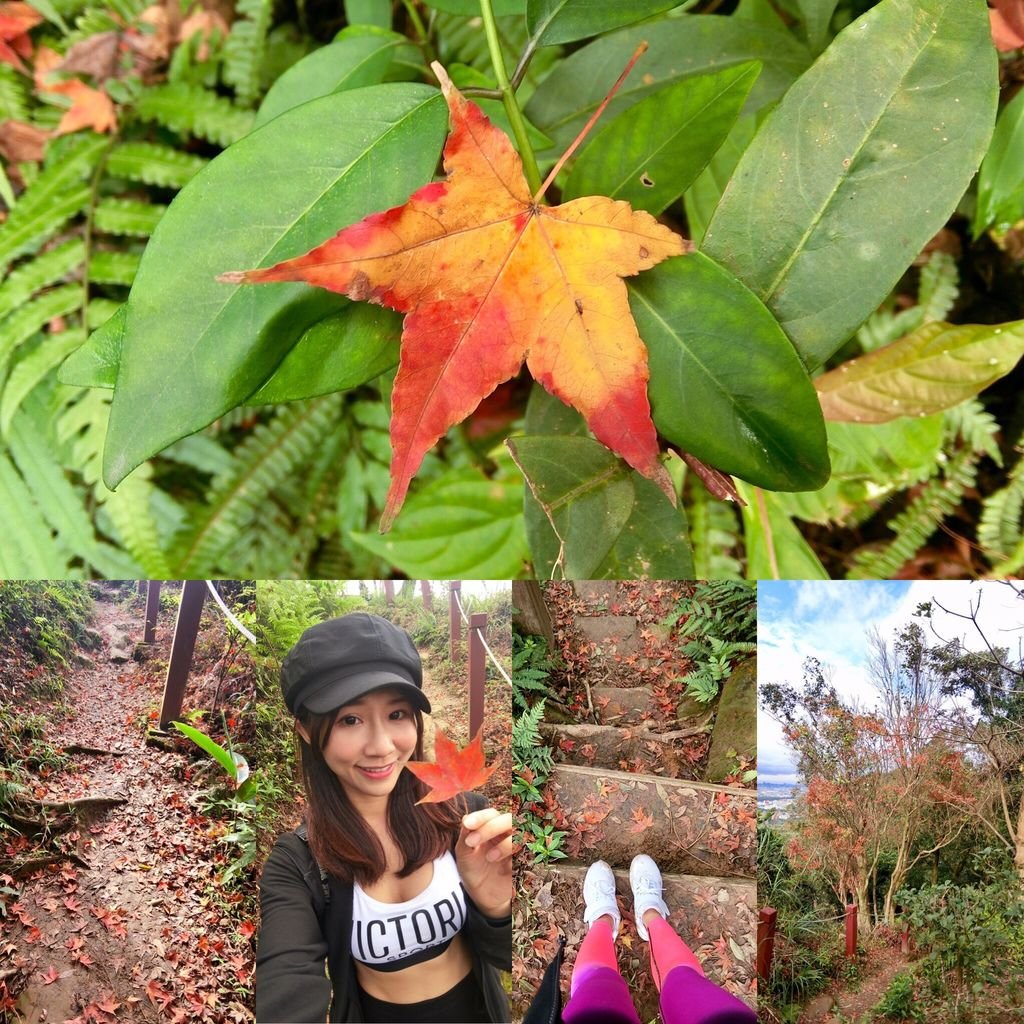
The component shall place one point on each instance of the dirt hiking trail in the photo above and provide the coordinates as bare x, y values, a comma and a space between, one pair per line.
130, 925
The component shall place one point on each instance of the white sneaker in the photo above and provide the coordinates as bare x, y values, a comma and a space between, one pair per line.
599, 895
645, 878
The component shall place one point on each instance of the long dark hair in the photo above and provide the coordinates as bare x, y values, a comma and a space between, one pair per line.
339, 837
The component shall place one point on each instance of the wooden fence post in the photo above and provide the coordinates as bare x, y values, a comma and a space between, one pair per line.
428, 597
477, 671
152, 607
186, 629
454, 618
389, 591
766, 920
851, 929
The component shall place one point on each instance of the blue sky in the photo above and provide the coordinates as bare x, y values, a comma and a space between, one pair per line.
829, 620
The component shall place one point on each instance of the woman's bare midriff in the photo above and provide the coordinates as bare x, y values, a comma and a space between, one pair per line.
421, 981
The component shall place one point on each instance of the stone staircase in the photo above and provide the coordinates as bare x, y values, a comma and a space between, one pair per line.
627, 783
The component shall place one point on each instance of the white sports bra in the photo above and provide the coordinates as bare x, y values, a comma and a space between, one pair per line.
393, 936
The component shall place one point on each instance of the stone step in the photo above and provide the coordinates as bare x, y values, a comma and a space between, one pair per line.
690, 828
716, 918
619, 747
613, 634
628, 705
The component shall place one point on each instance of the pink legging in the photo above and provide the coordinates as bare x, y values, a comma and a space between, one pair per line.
598, 994
667, 951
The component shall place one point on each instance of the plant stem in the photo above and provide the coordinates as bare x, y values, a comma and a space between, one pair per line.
417, 23
508, 97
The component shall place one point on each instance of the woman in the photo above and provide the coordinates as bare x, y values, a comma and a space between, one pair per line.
409, 907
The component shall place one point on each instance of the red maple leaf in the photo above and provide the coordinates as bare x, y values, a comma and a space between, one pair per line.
642, 821
454, 771
15, 21
489, 278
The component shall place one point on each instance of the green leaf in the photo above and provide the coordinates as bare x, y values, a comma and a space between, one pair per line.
471, 8
938, 366
726, 384
109, 267
589, 516
705, 193
461, 524
368, 12
285, 187
679, 48
650, 154
342, 351
564, 21
466, 77
1001, 177
95, 364
153, 164
211, 747
885, 130
776, 550
817, 17
353, 60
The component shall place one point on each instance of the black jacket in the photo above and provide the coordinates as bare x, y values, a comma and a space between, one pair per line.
292, 986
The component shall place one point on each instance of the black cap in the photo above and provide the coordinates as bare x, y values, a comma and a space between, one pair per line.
338, 661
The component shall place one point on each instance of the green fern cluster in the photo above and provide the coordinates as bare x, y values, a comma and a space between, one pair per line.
720, 626
531, 665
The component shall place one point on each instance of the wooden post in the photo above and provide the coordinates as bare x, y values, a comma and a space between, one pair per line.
140, 588
766, 920
851, 929
477, 671
454, 619
186, 629
428, 597
531, 616
152, 607
389, 591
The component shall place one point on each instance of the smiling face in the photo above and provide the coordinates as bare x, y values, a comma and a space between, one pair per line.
369, 743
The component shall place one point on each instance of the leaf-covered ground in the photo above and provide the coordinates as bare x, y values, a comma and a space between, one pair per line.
133, 924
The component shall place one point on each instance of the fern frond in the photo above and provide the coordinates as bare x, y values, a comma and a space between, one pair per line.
201, 453
13, 95
1002, 516
245, 48
262, 461
31, 369
113, 16
34, 315
52, 199
114, 267
28, 550
153, 164
916, 523
939, 287
130, 510
971, 421
714, 531
100, 311
127, 217
194, 111
59, 505
34, 275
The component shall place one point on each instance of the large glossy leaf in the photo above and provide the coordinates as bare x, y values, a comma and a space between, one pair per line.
817, 16
726, 384
1001, 177
565, 21
935, 368
95, 364
460, 525
194, 348
358, 57
342, 351
589, 516
859, 165
679, 48
650, 154
776, 550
